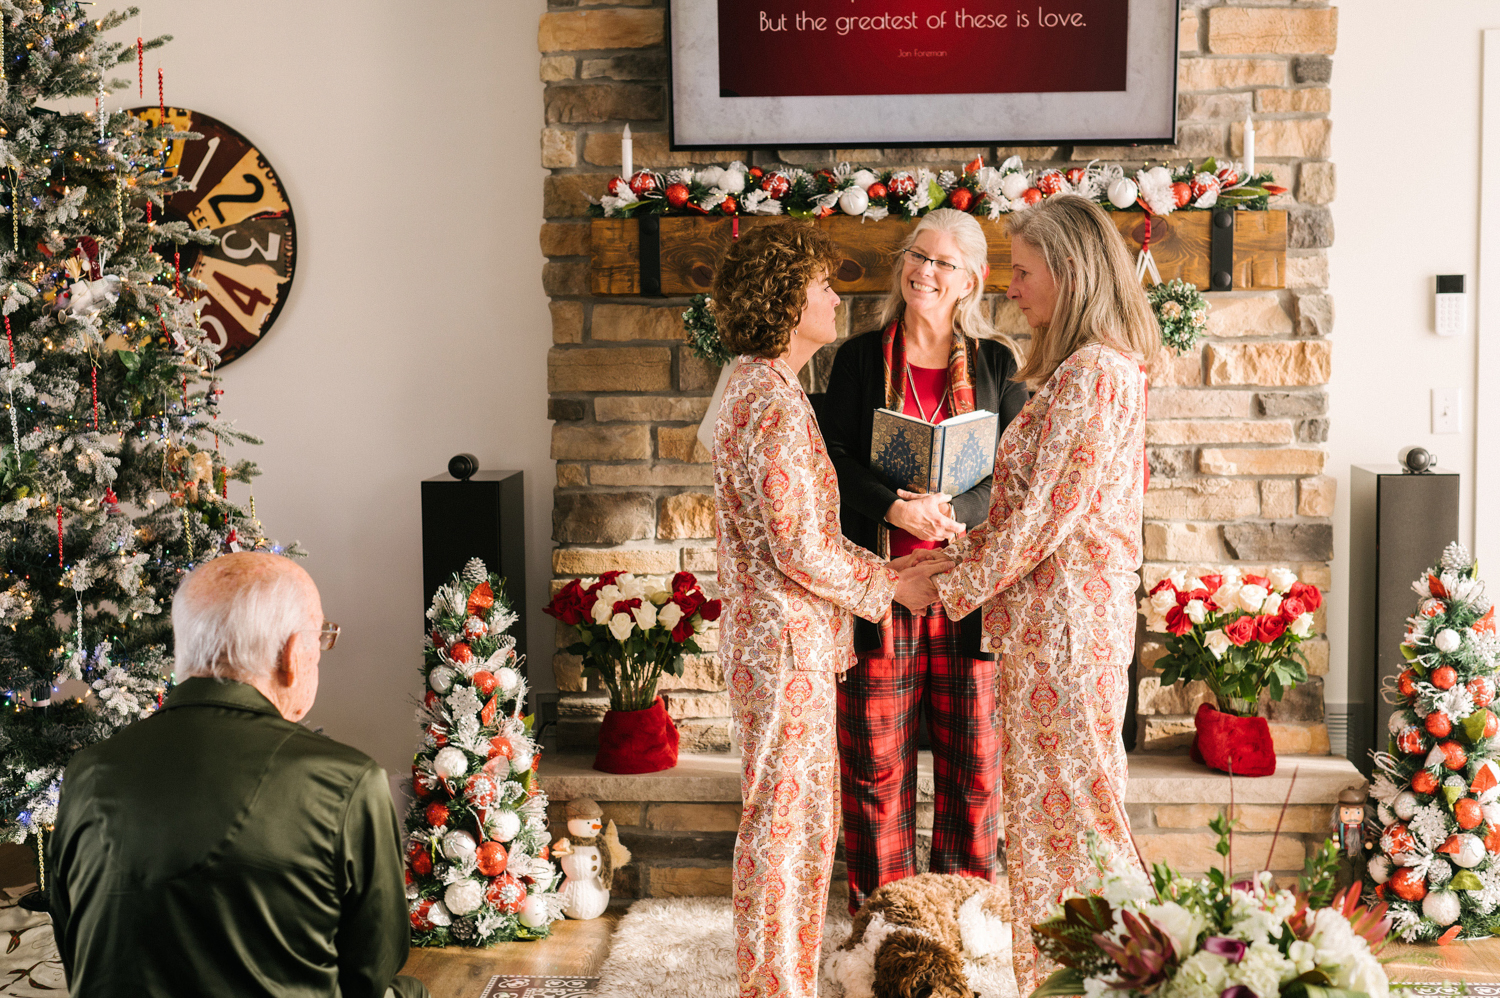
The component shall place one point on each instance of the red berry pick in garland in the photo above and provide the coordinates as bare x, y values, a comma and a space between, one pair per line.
1467, 813
437, 815
421, 862
1438, 724
1424, 782
1454, 756
1444, 677
485, 682
1408, 884
1482, 689
962, 198
1181, 194
1407, 683
1410, 740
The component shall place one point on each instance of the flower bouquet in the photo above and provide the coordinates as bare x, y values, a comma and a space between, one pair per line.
628, 635
1238, 634
1171, 937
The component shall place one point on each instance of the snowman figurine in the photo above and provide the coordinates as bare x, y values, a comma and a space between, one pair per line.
588, 860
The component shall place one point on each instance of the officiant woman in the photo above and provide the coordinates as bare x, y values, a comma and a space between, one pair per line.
934, 355
1054, 564
791, 583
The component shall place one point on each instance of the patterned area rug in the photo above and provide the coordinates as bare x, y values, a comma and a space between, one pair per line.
29, 964
1425, 990
539, 987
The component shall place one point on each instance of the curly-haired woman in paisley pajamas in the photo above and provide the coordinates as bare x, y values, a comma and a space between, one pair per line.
1055, 564
791, 583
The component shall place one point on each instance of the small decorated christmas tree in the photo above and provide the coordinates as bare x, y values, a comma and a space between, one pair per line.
1437, 860
477, 861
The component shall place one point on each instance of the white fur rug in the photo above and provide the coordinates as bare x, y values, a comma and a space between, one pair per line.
666, 947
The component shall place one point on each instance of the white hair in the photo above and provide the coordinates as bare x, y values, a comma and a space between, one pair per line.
233, 624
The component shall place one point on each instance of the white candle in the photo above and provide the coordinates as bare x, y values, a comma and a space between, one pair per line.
1249, 147
627, 155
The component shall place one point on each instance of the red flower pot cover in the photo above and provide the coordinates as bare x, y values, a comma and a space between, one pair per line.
1224, 740
637, 741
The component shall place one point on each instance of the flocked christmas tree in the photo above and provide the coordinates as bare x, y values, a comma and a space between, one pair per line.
477, 848
1437, 860
113, 481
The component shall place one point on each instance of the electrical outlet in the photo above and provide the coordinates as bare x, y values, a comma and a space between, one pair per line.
1445, 410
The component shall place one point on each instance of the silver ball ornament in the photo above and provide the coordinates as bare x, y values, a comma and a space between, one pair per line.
1123, 192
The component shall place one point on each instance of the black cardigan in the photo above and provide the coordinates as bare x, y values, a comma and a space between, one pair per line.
856, 388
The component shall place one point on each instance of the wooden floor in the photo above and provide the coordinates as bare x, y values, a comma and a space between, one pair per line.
1471, 963
575, 949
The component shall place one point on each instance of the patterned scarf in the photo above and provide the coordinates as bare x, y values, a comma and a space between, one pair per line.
960, 385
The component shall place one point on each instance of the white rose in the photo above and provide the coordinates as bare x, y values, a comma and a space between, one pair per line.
1302, 627
1227, 594
1251, 597
645, 616
1367, 975
1217, 642
1194, 584
1163, 601
658, 597
450, 762
602, 611
611, 593
1013, 185
1180, 925
1178, 578
1196, 611
1447, 641
463, 897
1272, 604
699, 624
1281, 579
669, 616
620, 625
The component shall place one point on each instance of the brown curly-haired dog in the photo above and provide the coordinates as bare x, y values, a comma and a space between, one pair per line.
934, 935
760, 286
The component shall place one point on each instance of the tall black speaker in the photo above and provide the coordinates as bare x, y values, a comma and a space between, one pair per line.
482, 517
1399, 524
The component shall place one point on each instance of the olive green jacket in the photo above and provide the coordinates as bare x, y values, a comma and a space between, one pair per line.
216, 848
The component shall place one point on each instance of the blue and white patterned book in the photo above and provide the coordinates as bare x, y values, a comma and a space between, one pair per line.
950, 457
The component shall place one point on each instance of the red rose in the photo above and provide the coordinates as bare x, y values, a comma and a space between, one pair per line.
567, 605
1292, 608
683, 581
690, 602
607, 579
711, 610
1183, 599
1310, 596
1240, 631
1256, 580
1163, 584
1212, 582
683, 630
1269, 627
1177, 621
625, 606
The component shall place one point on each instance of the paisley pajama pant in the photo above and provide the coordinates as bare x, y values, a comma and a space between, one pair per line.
789, 822
1063, 770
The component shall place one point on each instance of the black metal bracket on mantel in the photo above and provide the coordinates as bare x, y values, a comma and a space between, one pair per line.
650, 255
1221, 251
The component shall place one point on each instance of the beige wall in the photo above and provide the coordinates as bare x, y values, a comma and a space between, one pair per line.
406, 136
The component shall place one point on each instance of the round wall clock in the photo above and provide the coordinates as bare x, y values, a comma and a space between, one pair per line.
234, 192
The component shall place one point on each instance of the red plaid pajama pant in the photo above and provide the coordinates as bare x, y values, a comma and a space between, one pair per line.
920, 666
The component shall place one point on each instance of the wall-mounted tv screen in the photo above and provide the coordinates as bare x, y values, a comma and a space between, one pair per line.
860, 73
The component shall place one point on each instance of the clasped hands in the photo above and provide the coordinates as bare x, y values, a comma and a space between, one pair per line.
929, 518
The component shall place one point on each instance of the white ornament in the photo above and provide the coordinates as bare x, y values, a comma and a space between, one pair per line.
1379, 868
1491, 812
520, 762
1399, 720
507, 679
439, 914
459, 846
450, 762
441, 679
864, 178
1442, 907
504, 824
1447, 641
1470, 851
1123, 192
854, 201
1013, 185
732, 181
711, 176
533, 913
463, 897
1405, 805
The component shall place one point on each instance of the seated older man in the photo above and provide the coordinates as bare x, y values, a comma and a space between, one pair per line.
218, 847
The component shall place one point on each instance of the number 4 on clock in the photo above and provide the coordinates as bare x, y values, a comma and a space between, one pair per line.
245, 298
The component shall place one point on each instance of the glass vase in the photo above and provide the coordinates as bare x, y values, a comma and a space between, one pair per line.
1238, 706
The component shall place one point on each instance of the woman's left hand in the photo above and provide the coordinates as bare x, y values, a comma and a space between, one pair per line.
915, 558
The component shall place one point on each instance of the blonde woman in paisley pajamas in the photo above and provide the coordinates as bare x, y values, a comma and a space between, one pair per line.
791, 583
1055, 564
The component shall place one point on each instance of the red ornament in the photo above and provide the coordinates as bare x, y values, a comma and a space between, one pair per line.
619, 187
1491, 839
1181, 194
1408, 884
1444, 677
1491, 725
419, 783
776, 185
1410, 740
485, 682
491, 858
825, 175
1380, 891
1228, 177
438, 641
729, 206
500, 745
1424, 782
460, 653
902, 184
1075, 176
1482, 689
877, 190
481, 598
1454, 756
1438, 724
419, 919
1397, 838
487, 714
1050, 183
439, 735
505, 893
1467, 812
642, 183
1407, 683
1273, 188
756, 173
1202, 184
961, 199
430, 700
437, 815
481, 790
1032, 195
420, 861
677, 195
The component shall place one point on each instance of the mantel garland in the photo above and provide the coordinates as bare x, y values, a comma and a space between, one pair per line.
977, 189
